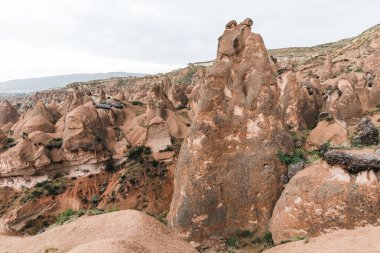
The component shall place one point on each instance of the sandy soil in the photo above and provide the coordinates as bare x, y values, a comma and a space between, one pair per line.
117, 232
359, 240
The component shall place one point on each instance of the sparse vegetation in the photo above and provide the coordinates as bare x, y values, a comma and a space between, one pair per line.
137, 152
357, 144
10, 142
110, 167
246, 238
161, 217
359, 70
186, 79
330, 119
54, 143
70, 214
291, 158
321, 151
137, 103
44, 188
296, 238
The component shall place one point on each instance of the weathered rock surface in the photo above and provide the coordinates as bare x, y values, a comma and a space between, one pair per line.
322, 198
8, 115
3, 139
366, 133
327, 132
353, 161
22, 160
228, 173
123, 231
84, 134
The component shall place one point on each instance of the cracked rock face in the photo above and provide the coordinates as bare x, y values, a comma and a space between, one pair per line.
228, 173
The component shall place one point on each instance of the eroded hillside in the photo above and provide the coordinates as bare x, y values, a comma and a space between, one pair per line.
260, 147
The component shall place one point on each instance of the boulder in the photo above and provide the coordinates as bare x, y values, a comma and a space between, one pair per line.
352, 161
228, 173
327, 132
322, 198
366, 133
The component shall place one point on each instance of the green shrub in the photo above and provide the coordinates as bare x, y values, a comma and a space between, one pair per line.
65, 216
95, 199
267, 238
136, 152
330, 119
44, 188
359, 70
137, 103
10, 142
70, 214
110, 167
232, 242
245, 233
291, 158
54, 143
161, 217
322, 150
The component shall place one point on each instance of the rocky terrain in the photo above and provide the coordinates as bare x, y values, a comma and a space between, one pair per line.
255, 149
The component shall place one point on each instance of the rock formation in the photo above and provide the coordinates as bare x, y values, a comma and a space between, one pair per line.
85, 135
322, 198
228, 173
8, 115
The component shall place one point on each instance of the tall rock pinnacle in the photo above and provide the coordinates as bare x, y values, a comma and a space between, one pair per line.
228, 173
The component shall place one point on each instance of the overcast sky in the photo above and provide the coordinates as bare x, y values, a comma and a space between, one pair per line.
52, 37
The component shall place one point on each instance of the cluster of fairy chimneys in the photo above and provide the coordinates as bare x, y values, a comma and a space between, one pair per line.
231, 24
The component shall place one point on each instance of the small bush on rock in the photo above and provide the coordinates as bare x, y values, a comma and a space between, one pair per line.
54, 143
137, 103
291, 158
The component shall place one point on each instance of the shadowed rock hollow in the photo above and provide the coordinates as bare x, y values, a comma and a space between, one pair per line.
228, 173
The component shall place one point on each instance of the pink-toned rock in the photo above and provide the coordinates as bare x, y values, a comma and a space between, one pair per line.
322, 198
327, 132
8, 114
228, 173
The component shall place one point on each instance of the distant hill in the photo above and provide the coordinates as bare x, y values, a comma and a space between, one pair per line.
51, 82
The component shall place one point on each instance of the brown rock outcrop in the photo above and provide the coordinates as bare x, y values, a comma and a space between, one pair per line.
24, 159
37, 118
228, 173
342, 102
84, 135
322, 198
327, 132
8, 115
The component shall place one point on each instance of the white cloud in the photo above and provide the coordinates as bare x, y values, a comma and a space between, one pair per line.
43, 37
